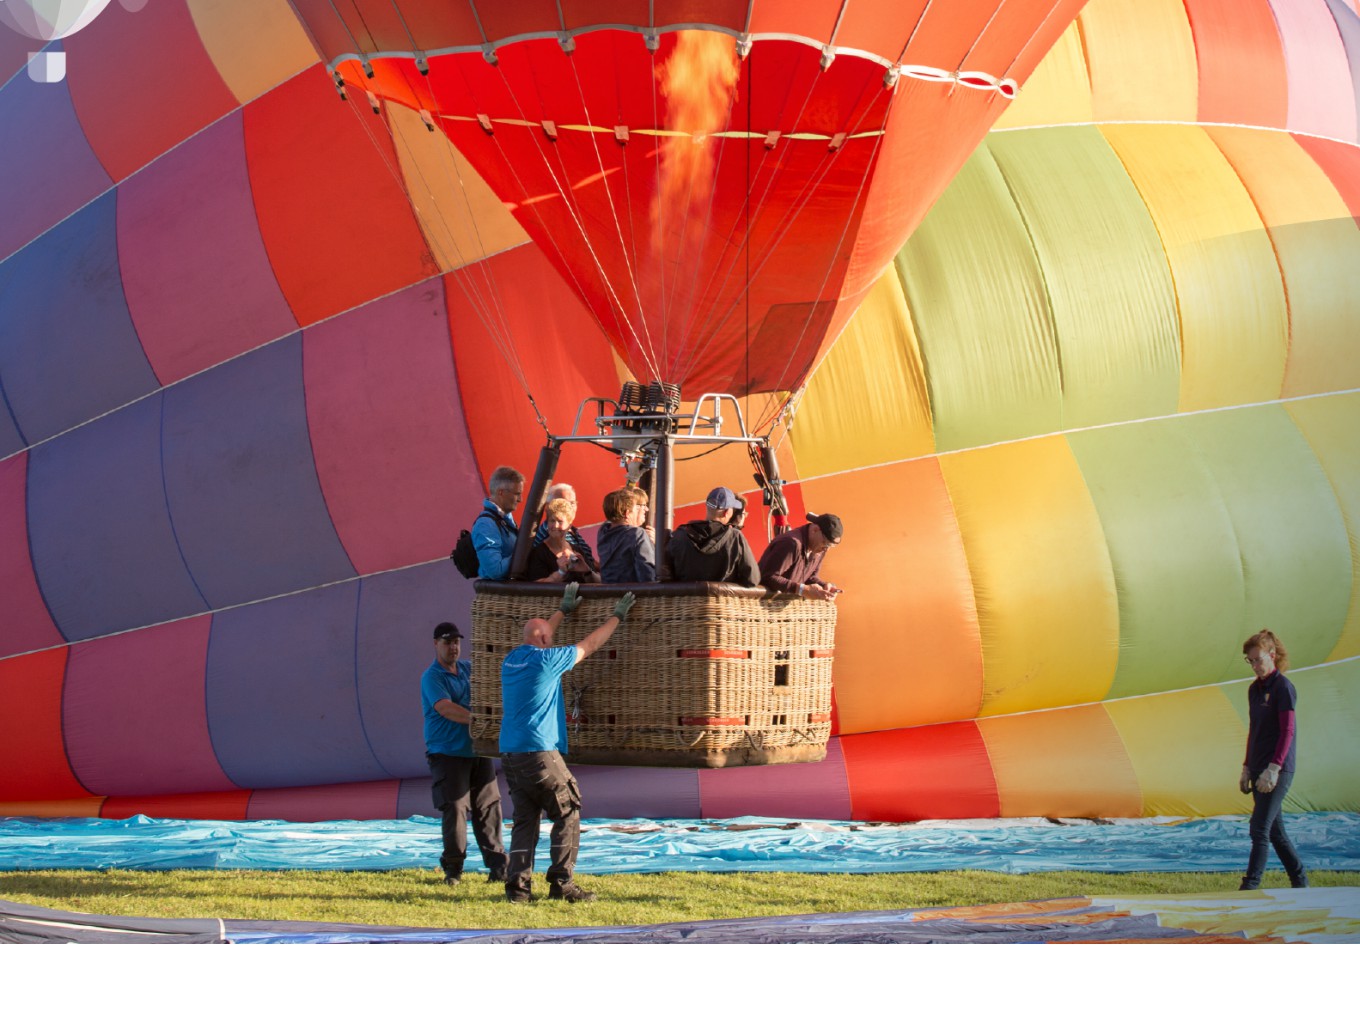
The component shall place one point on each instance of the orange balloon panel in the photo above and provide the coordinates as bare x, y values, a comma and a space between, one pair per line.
907, 640
1071, 764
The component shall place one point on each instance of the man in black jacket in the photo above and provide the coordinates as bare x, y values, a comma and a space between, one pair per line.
711, 549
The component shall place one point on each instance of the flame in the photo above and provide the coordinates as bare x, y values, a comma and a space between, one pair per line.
698, 81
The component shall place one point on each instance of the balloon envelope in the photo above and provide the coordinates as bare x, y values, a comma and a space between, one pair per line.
1094, 425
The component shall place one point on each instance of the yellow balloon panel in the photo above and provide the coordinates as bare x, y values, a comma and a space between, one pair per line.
907, 647
461, 217
867, 403
1234, 326
1042, 581
1332, 427
1186, 748
1317, 243
1142, 59
1068, 763
1059, 90
255, 53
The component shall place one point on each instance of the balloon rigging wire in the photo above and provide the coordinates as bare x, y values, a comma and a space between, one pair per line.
645, 346
790, 216
696, 263
840, 246
1030, 41
488, 306
415, 50
707, 328
565, 192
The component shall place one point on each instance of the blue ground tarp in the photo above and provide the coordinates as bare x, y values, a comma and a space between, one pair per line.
1326, 841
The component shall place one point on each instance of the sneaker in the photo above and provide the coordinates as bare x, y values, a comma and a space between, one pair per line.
1246, 886
519, 895
1299, 883
569, 891
496, 876
452, 879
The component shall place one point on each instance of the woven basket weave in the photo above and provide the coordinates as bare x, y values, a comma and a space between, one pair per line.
699, 676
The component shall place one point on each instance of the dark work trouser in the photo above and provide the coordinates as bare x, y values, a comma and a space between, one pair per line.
1267, 830
541, 784
461, 784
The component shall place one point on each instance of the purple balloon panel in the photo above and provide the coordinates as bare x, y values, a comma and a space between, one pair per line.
812, 790
196, 274
46, 162
397, 615
1348, 24
68, 352
133, 713
25, 623
11, 441
103, 546
417, 798
608, 792
326, 803
241, 483
387, 428
283, 709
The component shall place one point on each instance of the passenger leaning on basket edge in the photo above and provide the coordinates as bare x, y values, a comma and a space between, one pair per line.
792, 562
532, 742
494, 531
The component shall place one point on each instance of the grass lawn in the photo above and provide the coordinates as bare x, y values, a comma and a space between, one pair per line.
420, 899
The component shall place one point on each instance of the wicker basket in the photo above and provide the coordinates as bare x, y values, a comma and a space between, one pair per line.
700, 675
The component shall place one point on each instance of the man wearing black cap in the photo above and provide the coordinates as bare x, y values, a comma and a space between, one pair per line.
792, 562
462, 780
711, 549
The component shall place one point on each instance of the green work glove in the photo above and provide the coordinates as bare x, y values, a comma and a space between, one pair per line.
1244, 780
570, 600
1266, 781
624, 604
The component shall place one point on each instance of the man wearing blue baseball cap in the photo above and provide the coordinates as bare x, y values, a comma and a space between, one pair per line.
711, 549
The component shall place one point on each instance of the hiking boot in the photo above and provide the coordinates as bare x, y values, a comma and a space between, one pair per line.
519, 895
452, 879
569, 891
496, 876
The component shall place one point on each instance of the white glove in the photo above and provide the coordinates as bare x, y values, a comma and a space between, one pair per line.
1244, 781
1266, 781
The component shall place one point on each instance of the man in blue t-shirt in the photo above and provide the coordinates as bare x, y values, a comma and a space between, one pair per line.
533, 740
462, 780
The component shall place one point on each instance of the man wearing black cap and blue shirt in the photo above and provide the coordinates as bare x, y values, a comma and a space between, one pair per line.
462, 780
792, 562
711, 549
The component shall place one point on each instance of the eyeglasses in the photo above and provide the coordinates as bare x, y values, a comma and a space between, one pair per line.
1254, 659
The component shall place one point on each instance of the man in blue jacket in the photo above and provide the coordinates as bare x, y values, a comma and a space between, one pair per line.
462, 780
494, 532
533, 740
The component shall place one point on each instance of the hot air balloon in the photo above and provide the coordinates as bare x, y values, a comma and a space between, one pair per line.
259, 346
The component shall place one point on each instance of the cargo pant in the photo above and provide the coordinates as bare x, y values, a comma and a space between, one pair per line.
460, 784
541, 784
